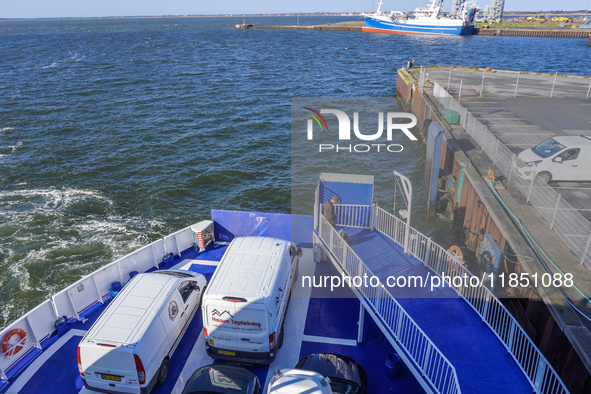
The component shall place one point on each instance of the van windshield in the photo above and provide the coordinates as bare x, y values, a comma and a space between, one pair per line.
548, 148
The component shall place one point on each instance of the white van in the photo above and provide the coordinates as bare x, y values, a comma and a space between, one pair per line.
245, 303
565, 158
127, 350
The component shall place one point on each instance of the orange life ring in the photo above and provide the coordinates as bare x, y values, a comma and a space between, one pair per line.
12, 345
456, 252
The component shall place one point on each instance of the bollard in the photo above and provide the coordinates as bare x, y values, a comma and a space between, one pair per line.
392, 367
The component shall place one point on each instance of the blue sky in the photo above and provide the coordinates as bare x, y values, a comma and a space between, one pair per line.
81, 8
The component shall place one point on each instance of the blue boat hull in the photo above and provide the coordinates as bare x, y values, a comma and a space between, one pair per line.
373, 25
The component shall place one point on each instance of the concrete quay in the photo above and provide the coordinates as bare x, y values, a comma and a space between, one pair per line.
533, 32
520, 110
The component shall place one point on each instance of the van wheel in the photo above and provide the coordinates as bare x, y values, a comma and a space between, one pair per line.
163, 371
544, 176
280, 340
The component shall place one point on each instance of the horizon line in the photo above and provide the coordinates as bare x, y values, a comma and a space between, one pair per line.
318, 13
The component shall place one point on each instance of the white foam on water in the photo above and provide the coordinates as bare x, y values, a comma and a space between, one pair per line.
54, 64
49, 198
73, 231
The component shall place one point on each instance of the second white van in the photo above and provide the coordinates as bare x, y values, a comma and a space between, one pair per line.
128, 348
246, 300
564, 158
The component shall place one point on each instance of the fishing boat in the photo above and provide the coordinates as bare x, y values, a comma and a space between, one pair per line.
427, 338
427, 20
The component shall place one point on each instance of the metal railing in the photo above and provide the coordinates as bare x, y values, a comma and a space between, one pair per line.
572, 227
434, 367
79, 298
353, 215
508, 83
532, 362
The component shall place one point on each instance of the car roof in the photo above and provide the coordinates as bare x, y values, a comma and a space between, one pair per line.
131, 312
289, 381
332, 365
570, 141
222, 378
248, 268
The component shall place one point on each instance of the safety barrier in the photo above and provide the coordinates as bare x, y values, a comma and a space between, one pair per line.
572, 227
434, 367
538, 370
351, 215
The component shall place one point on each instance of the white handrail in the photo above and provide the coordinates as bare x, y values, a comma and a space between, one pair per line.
353, 215
427, 358
531, 361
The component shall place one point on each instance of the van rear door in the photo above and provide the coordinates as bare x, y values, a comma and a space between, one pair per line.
108, 367
252, 331
220, 327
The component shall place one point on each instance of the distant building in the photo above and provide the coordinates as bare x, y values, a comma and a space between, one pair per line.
494, 12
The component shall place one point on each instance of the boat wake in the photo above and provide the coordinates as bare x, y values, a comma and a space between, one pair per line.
86, 233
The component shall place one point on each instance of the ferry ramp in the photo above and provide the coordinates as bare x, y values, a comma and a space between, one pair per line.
455, 339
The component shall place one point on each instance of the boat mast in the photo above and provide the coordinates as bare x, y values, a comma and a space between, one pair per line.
379, 11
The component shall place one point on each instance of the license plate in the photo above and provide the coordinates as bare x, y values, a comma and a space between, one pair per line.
226, 353
112, 377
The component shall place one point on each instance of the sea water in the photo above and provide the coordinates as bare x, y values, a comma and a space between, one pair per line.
116, 132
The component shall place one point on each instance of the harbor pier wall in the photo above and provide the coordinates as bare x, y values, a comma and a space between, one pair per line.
532, 32
467, 200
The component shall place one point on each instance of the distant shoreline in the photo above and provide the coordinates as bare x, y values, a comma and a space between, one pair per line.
352, 14
177, 16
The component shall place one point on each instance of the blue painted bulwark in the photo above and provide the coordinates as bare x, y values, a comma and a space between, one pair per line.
376, 26
231, 224
359, 194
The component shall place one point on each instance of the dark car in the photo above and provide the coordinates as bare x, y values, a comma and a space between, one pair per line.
222, 379
346, 375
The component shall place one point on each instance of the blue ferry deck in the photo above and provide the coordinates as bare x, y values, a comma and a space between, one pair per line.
453, 337
448, 343
317, 321
481, 361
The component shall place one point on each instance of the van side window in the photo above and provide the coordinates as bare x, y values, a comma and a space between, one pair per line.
570, 154
185, 290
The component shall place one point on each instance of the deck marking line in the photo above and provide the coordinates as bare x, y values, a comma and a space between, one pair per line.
572, 188
332, 341
295, 320
24, 378
204, 262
